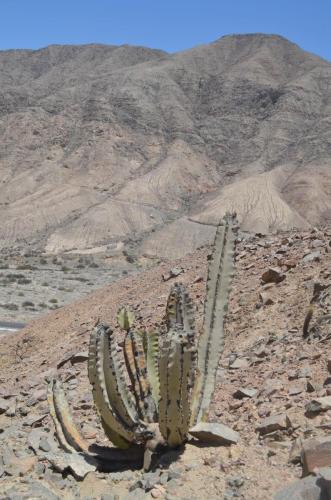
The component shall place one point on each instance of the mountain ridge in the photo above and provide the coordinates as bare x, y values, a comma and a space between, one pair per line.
123, 145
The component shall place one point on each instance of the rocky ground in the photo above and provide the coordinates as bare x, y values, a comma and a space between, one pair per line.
273, 381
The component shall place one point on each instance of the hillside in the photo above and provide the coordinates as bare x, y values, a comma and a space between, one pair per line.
105, 145
265, 354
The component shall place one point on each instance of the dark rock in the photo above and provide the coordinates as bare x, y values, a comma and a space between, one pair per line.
273, 275
244, 392
319, 404
325, 474
79, 357
313, 386
173, 273
316, 453
67, 357
274, 423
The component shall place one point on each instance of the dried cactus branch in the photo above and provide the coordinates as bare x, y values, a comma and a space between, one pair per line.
66, 430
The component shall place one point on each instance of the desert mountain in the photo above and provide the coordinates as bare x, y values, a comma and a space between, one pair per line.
105, 145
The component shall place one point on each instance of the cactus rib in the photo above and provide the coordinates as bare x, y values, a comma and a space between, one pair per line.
179, 310
175, 374
151, 348
118, 393
137, 368
117, 431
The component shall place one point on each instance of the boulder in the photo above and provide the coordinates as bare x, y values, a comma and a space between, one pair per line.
214, 433
316, 453
73, 462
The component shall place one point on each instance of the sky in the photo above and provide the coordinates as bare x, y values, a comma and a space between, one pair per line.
171, 25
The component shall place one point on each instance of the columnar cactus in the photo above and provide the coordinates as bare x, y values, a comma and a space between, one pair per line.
169, 380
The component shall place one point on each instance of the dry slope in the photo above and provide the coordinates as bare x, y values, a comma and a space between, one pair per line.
264, 353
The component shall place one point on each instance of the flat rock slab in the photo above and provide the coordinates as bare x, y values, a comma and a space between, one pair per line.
214, 433
34, 438
274, 423
76, 463
309, 488
33, 490
34, 419
311, 257
15, 466
244, 392
316, 453
239, 364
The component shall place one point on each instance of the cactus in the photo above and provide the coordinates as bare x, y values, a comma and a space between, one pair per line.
167, 388
211, 341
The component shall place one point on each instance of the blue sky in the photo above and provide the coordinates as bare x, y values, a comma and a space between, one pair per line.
171, 25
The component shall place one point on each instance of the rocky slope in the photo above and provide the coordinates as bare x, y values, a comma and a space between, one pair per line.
273, 384
102, 144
